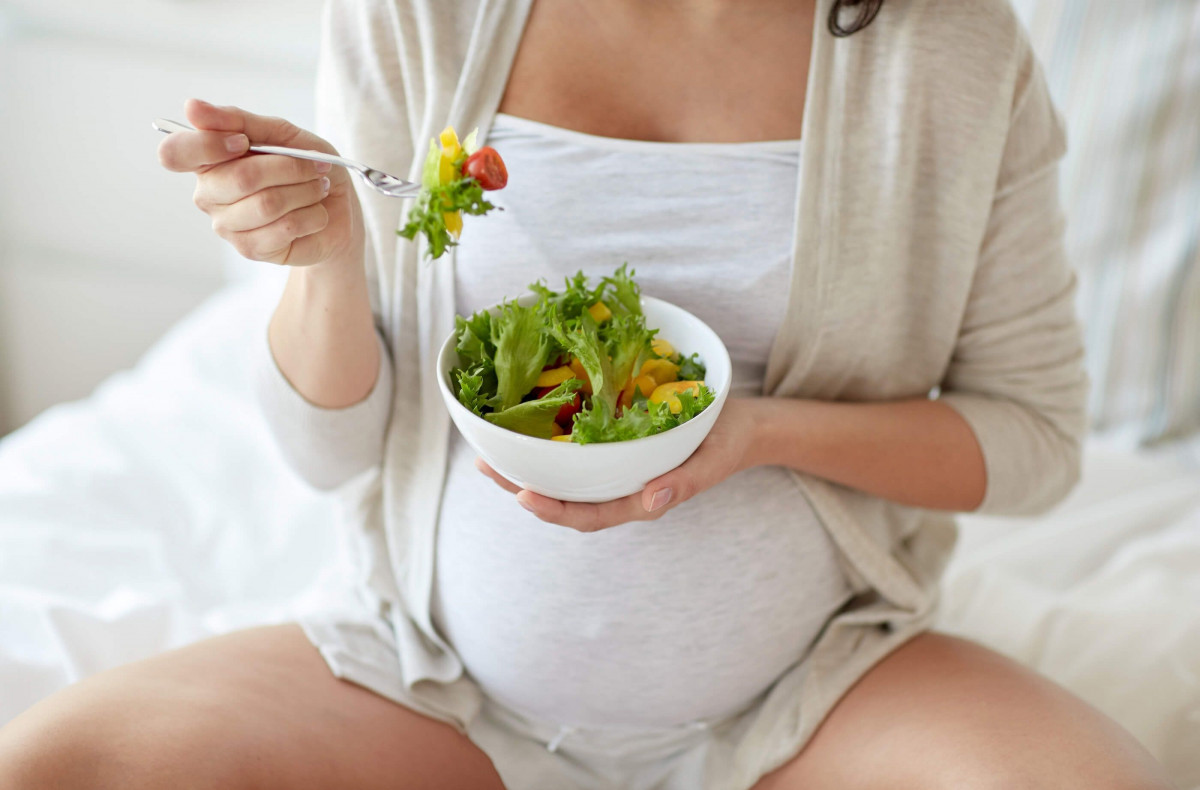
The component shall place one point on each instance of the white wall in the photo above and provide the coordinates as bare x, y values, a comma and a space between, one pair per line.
100, 249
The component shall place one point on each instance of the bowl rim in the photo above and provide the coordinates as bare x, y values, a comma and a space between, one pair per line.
453, 403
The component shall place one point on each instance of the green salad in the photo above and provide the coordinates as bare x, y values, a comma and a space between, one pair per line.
453, 181
578, 365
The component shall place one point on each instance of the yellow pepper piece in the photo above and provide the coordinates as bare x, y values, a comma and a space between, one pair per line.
566, 437
451, 148
581, 374
626, 399
600, 312
646, 384
555, 376
662, 347
453, 221
662, 371
556, 430
446, 171
669, 393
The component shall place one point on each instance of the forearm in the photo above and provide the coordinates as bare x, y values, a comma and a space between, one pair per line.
916, 452
322, 334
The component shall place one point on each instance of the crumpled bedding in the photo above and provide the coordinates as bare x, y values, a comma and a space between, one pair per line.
158, 512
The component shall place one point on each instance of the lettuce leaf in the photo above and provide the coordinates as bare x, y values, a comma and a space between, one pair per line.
689, 405
472, 388
522, 348
427, 216
575, 298
475, 346
626, 295
691, 368
599, 424
536, 417
583, 342
628, 342
429, 172
470, 143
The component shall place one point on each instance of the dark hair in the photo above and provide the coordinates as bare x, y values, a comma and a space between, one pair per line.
867, 9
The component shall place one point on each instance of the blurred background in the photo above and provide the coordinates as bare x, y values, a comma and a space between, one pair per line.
100, 248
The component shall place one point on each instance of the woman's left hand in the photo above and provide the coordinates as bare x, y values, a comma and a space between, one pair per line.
725, 451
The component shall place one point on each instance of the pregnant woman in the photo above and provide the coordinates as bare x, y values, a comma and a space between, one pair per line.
860, 197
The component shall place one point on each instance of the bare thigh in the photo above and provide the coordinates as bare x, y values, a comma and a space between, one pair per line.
944, 713
255, 709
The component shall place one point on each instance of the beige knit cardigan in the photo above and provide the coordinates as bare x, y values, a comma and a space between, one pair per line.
928, 256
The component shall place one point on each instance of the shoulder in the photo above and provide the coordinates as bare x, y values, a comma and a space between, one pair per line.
424, 23
973, 47
988, 29
966, 64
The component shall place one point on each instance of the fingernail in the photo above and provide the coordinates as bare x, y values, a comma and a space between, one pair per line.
324, 185
236, 143
661, 497
323, 167
525, 505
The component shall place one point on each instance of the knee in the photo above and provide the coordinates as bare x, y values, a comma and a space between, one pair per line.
1031, 768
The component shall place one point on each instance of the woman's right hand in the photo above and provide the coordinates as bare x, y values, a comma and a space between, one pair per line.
270, 208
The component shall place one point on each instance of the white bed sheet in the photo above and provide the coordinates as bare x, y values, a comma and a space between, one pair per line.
158, 512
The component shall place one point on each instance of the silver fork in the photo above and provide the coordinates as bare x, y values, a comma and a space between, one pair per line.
382, 182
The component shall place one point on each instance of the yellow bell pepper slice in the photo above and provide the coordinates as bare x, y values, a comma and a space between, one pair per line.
600, 312
555, 376
669, 393
662, 347
663, 371
446, 171
646, 384
451, 148
581, 374
626, 399
453, 220
566, 437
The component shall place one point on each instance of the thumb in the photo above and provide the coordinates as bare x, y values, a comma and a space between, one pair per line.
676, 486
261, 129
706, 467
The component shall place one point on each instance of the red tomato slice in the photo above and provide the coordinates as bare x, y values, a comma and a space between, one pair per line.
486, 167
568, 412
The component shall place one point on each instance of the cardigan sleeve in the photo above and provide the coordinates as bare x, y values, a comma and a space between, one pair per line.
326, 447
1017, 375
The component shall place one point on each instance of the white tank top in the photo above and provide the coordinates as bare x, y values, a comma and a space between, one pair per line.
655, 623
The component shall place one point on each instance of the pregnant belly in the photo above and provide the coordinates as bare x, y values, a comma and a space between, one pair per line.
648, 624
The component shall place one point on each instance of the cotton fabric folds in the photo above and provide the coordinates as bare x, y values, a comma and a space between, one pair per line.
928, 253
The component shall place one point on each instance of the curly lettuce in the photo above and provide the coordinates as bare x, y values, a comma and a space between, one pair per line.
596, 336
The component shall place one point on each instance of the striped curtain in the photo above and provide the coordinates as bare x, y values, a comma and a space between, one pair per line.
1126, 76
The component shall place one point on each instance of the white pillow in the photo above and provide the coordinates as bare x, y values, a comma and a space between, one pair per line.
1126, 76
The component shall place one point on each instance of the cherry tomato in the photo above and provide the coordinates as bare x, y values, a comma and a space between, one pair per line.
486, 167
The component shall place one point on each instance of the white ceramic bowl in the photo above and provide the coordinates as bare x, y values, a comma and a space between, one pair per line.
597, 472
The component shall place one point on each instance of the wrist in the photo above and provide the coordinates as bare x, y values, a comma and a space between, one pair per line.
777, 427
341, 273
761, 423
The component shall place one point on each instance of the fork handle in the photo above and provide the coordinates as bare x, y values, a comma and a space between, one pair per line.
301, 153
167, 126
